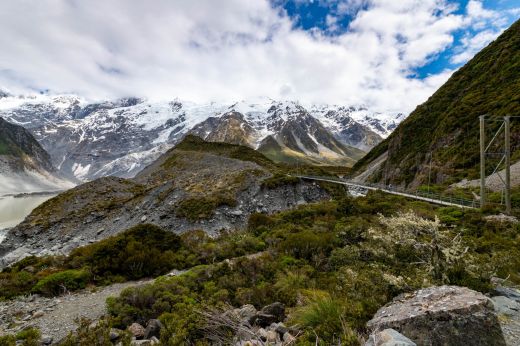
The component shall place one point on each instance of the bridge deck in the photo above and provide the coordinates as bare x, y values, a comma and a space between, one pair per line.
418, 195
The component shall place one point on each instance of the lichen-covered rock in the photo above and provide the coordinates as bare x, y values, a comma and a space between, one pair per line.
389, 337
137, 330
445, 315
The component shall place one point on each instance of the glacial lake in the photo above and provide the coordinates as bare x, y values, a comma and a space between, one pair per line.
14, 209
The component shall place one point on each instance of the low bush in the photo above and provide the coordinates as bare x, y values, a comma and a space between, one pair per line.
198, 208
62, 282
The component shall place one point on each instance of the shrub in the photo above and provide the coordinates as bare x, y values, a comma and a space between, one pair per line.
143, 250
197, 208
62, 282
326, 317
278, 180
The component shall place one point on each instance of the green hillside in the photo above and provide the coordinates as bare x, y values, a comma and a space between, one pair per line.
447, 126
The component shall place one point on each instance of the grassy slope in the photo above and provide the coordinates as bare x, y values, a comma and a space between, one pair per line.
327, 262
447, 123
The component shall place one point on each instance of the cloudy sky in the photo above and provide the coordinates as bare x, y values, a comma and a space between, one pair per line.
387, 54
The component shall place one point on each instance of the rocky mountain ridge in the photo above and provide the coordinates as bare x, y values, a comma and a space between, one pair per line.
195, 185
24, 165
285, 132
91, 140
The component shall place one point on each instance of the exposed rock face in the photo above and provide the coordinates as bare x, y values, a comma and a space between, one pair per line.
24, 165
445, 315
190, 187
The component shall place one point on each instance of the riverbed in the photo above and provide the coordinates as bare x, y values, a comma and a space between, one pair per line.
13, 210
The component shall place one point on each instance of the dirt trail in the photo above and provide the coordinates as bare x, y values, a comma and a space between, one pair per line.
55, 316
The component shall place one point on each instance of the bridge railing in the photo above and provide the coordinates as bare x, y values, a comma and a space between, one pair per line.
434, 196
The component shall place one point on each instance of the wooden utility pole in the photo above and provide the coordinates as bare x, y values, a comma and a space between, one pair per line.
482, 162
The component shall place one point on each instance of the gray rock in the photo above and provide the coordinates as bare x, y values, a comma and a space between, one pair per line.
114, 334
143, 218
389, 337
276, 309
38, 313
141, 343
288, 338
153, 329
445, 315
246, 312
46, 340
137, 330
508, 292
506, 306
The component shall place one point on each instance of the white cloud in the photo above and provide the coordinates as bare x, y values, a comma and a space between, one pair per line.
484, 26
226, 50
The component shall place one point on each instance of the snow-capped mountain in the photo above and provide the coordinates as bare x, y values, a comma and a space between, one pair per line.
283, 131
91, 140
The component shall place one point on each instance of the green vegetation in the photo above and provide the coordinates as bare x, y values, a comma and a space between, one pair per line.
197, 208
278, 180
26, 337
239, 152
142, 251
332, 263
447, 125
61, 282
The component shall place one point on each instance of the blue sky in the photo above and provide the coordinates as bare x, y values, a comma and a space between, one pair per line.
311, 15
388, 55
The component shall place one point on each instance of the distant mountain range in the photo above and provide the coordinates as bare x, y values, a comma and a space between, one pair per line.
24, 165
91, 140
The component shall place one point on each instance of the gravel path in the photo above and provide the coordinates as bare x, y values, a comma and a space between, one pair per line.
55, 316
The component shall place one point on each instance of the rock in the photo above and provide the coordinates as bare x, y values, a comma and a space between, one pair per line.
114, 334
272, 336
246, 312
506, 306
38, 313
143, 218
281, 329
389, 337
288, 338
137, 330
46, 340
154, 341
262, 320
508, 292
153, 329
99, 231
445, 315
141, 343
276, 309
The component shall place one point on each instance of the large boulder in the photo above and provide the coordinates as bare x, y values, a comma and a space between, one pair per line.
445, 315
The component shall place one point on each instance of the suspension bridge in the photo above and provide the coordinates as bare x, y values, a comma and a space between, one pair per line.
426, 196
